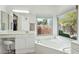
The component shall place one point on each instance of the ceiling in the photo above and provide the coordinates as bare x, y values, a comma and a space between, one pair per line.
42, 9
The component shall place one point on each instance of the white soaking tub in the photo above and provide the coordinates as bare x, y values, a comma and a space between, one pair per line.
53, 46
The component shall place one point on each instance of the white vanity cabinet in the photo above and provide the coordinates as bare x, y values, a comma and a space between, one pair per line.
20, 44
30, 44
24, 44
75, 47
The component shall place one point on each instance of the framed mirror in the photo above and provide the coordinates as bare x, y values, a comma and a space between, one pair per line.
4, 21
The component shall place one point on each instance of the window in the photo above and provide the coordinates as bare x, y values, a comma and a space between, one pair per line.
44, 26
67, 24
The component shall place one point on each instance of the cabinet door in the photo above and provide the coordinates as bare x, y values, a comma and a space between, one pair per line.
29, 42
20, 43
24, 44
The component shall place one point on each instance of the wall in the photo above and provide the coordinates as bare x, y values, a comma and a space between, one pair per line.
55, 30
3, 8
24, 21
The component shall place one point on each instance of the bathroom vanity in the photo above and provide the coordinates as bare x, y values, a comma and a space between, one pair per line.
24, 43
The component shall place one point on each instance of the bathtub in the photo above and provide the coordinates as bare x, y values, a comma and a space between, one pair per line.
53, 46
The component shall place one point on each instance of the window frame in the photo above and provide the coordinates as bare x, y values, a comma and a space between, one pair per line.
37, 24
76, 9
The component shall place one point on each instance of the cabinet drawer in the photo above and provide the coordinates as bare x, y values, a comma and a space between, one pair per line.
20, 44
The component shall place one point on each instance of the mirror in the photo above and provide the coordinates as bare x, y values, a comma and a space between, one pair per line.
15, 22
20, 22
4, 21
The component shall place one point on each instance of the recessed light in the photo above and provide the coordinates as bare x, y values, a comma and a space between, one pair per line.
21, 11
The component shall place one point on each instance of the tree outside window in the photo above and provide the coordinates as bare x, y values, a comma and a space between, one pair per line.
68, 24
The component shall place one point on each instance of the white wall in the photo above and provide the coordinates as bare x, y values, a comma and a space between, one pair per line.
55, 30
24, 21
3, 8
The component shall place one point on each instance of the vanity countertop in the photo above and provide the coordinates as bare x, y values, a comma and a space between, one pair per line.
12, 32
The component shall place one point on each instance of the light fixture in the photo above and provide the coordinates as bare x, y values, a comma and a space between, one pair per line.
21, 11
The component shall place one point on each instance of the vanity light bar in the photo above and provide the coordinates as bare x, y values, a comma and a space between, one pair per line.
21, 11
